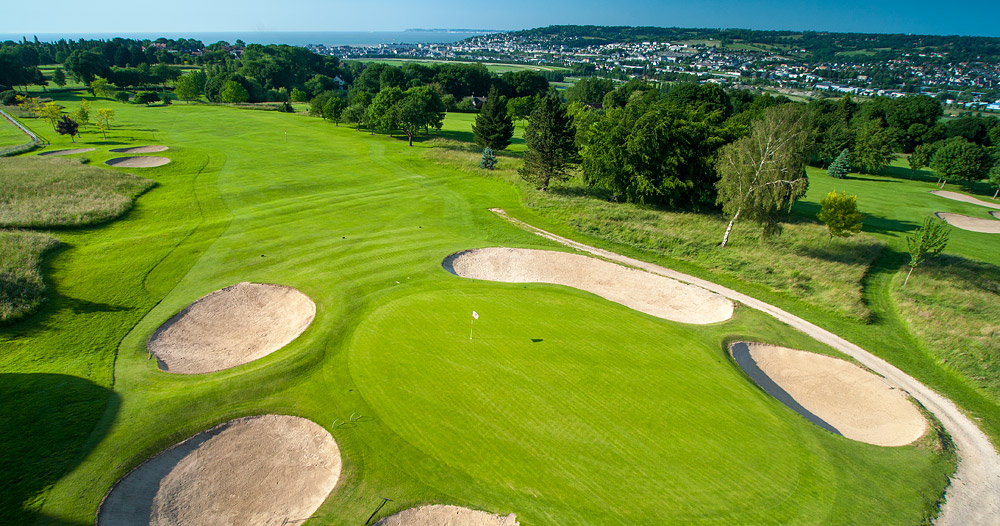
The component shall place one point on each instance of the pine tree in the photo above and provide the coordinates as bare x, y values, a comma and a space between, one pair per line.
841, 165
488, 160
494, 127
551, 141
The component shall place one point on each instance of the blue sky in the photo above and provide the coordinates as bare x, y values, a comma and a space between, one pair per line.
974, 17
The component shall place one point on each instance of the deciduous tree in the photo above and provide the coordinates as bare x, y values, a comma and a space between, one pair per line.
190, 86
59, 77
51, 112
550, 138
765, 172
926, 242
839, 212
872, 148
82, 114
920, 157
67, 126
146, 97
960, 159
105, 116
234, 93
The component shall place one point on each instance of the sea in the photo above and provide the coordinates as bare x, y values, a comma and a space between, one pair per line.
292, 38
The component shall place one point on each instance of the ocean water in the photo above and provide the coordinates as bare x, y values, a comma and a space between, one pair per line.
292, 38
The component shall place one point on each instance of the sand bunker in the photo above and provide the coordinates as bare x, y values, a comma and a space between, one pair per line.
232, 326
67, 152
995, 214
645, 292
834, 394
140, 149
446, 516
137, 162
974, 224
964, 198
270, 469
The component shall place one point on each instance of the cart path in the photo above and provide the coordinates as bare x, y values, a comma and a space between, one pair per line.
972, 498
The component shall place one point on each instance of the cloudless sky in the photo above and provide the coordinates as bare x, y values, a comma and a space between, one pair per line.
967, 17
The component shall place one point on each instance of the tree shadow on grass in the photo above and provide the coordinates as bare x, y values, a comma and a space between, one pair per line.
456, 135
48, 425
808, 210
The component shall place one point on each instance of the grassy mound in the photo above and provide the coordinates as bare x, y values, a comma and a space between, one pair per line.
22, 286
40, 193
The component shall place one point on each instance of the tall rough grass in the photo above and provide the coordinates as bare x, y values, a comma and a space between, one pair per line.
797, 263
41, 193
22, 286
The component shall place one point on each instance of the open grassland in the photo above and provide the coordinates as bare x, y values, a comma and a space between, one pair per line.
493, 67
564, 408
44, 193
22, 285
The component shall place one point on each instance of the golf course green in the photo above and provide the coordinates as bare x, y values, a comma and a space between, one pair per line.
563, 407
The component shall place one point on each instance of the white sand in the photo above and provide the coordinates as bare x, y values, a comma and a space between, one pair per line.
150, 161
232, 326
834, 394
643, 291
438, 515
67, 152
964, 198
973, 224
262, 470
140, 149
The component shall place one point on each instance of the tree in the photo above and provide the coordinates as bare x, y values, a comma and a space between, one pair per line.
926, 242
355, 113
82, 114
872, 148
493, 127
419, 108
958, 158
839, 212
765, 172
299, 95
101, 88
146, 97
67, 126
994, 176
59, 77
50, 112
550, 138
333, 108
104, 118
122, 96
85, 65
920, 157
520, 108
841, 165
234, 93
189, 87
380, 116
488, 160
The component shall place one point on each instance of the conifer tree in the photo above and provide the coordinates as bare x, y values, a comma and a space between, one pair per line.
551, 141
494, 127
841, 165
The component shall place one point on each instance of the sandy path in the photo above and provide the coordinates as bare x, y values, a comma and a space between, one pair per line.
972, 224
262, 470
150, 161
833, 394
67, 152
973, 498
995, 214
140, 149
446, 516
231, 326
964, 198
655, 295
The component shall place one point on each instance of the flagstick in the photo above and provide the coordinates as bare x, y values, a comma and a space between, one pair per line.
471, 326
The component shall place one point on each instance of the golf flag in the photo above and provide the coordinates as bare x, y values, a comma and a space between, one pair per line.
475, 315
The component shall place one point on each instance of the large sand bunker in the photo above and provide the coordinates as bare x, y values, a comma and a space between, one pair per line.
140, 149
964, 198
67, 152
645, 292
438, 515
270, 469
232, 326
149, 161
973, 224
834, 394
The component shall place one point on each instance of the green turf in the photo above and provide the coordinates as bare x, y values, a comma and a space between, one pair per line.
493, 67
361, 224
11, 135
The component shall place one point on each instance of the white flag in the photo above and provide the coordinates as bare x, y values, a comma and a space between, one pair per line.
475, 315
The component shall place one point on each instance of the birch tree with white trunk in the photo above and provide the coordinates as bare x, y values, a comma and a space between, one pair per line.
764, 173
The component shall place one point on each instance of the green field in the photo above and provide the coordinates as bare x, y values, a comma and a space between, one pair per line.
11, 135
493, 67
549, 412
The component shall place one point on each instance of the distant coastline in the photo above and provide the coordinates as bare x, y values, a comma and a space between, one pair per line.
292, 38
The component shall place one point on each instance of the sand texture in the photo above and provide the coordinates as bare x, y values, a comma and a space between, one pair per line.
964, 198
149, 161
262, 470
438, 515
973, 224
833, 394
140, 149
67, 152
643, 291
232, 326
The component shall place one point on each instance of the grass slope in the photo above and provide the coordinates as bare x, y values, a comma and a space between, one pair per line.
361, 224
22, 285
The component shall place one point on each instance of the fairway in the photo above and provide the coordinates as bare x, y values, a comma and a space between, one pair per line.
564, 408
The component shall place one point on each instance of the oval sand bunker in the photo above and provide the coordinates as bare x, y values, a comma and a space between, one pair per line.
964, 198
972, 224
232, 326
256, 470
67, 152
637, 289
438, 515
140, 149
150, 161
834, 394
